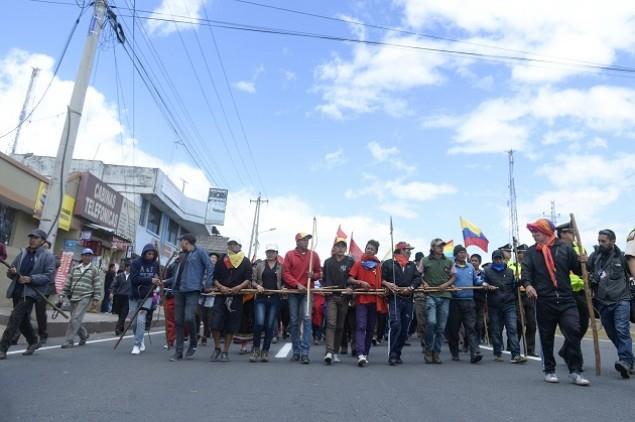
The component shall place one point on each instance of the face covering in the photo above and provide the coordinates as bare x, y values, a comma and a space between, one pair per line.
498, 267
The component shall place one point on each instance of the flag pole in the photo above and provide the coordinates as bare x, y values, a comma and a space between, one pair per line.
310, 272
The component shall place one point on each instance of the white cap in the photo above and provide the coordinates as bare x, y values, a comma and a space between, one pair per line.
234, 240
271, 247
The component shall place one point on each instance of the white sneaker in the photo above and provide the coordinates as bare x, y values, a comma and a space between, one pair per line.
328, 358
336, 359
361, 361
135, 350
142, 348
578, 379
551, 378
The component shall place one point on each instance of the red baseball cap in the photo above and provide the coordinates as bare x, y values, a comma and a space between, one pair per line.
302, 235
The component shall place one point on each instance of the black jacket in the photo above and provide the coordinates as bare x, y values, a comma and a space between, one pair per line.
335, 273
404, 277
232, 277
534, 272
506, 283
121, 285
608, 274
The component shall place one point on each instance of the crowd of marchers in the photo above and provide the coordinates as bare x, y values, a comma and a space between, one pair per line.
523, 292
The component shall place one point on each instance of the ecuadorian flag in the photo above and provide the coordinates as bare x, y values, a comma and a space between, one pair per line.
472, 235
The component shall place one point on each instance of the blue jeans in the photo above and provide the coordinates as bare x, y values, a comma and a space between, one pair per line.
266, 311
185, 305
505, 315
297, 310
400, 314
139, 325
437, 310
616, 322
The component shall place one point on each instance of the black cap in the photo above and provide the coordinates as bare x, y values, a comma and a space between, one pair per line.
506, 248
497, 254
522, 248
458, 249
565, 227
38, 233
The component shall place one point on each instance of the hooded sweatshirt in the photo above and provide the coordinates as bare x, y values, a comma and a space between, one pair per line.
142, 272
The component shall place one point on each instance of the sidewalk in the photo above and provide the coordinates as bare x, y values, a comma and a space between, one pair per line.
94, 322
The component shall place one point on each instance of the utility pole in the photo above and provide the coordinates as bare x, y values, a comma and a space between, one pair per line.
513, 211
253, 241
53, 205
25, 108
553, 215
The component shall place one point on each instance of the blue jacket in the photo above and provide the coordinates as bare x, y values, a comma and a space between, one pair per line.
465, 277
197, 274
41, 274
142, 272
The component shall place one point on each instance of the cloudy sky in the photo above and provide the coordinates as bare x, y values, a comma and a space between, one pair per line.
351, 132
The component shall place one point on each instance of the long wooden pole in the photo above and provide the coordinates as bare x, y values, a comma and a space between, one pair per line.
589, 300
521, 310
310, 272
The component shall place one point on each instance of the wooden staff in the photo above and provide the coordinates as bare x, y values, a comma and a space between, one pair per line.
329, 291
589, 300
310, 272
521, 309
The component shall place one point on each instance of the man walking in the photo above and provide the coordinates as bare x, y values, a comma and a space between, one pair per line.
400, 276
545, 276
462, 309
31, 270
336, 271
295, 275
82, 289
438, 271
120, 294
193, 269
609, 276
144, 278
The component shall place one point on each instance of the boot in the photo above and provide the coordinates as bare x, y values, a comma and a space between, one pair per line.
264, 356
255, 356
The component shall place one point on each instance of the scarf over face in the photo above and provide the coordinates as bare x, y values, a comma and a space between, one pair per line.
547, 228
402, 260
234, 259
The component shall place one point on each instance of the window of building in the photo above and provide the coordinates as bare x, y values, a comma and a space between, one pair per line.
154, 220
7, 216
144, 211
173, 232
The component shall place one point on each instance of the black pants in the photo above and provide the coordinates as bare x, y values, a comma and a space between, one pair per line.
462, 311
185, 305
583, 310
40, 316
529, 309
550, 314
123, 307
204, 315
20, 320
479, 325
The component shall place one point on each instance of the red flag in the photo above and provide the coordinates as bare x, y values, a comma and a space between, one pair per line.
340, 235
354, 250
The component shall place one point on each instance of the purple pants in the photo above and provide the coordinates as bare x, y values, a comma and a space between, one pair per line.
366, 317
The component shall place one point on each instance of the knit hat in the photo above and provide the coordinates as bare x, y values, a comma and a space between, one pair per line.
543, 226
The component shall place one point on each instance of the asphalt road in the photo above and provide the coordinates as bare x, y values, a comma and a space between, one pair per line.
95, 383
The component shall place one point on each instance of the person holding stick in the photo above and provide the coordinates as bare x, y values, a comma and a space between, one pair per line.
529, 306
296, 272
545, 276
400, 276
144, 277
82, 289
610, 279
31, 270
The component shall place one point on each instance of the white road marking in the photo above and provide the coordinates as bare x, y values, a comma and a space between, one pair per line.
509, 353
101, 340
284, 351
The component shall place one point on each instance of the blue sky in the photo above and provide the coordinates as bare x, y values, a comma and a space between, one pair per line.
355, 133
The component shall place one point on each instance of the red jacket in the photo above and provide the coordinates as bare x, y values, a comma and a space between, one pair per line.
296, 267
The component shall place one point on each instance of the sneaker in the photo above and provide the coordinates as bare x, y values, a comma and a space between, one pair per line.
215, 355
224, 357
518, 359
427, 357
176, 357
189, 354
623, 368
30, 350
264, 356
328, 358
436, 359
361, 361
135, 350
476, 358
68, 345
274, 340
336, 358
82, 341
551, 378
392, 361
498, 359
295, 358
142, 348
254, 356
305, 360
578, 379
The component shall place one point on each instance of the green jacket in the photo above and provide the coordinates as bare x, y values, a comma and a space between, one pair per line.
82, 284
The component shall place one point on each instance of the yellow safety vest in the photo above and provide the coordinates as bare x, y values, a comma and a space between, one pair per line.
577, 283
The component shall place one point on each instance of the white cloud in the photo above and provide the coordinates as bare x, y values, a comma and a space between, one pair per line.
182, 10
245, 86
419, 191
585, 31
331, 160
100, 133
289, 75
391, 155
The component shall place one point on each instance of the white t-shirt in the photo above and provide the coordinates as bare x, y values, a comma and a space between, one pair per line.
630, 244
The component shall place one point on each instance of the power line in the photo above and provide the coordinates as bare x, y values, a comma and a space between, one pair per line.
55, 71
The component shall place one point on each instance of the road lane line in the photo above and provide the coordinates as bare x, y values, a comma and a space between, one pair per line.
509, 353
101, 340
284, 351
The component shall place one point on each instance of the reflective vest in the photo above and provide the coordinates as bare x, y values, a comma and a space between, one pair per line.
577, 283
